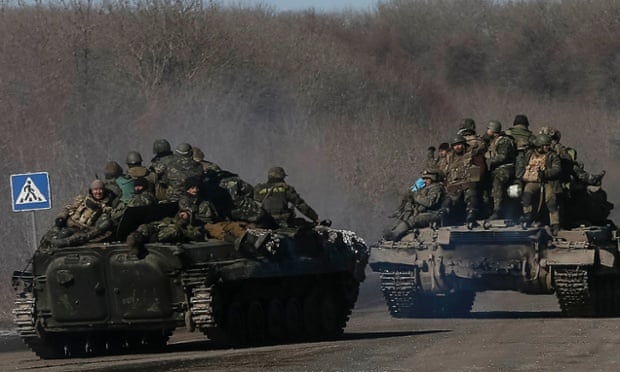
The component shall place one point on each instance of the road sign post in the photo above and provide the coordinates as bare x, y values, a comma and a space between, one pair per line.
31, 192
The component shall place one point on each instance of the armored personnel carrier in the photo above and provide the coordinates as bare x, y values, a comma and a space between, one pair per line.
437, 272
270, 286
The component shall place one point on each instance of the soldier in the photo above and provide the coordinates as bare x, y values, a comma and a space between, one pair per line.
87, 218
178, 170
201, 211
442, 159
540, 170
207, 166
280, 199
162, 156
142, 196
111, 172
520, 133
175, 229
467, 129
426, 206
463, 174
500, 161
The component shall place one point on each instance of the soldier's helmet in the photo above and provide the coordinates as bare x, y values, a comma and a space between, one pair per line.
495, 126
551, 132
161, 146
133, 158
468, 123
521, 120
457, 139
276, 173
541, 140
184, 149
112, 170
434, 175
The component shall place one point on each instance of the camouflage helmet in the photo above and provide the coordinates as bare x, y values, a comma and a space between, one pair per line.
432, 174
495, 126
276, 173
133, 158
458, 139
112, 170
161, 146
468, 124
184, 149
551, 132
542, 139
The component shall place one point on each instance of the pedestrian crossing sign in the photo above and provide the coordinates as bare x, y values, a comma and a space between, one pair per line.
30, 191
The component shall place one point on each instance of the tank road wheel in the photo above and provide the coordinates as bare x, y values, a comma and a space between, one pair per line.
275, 325
257, 324
311, 313
293, 319
331, 319
235, 324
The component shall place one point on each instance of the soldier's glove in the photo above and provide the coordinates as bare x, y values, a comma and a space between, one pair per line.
60, 222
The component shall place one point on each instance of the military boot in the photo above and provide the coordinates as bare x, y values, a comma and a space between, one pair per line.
135, 243
526, 220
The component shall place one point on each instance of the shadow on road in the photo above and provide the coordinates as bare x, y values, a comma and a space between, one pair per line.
378, 335
515, 314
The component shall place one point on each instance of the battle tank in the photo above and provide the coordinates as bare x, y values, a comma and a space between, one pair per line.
270, 286
436, 272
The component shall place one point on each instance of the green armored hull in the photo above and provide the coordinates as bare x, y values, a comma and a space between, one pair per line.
437, 272
269, 287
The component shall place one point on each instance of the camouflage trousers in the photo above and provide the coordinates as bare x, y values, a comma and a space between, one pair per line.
550, 198
500, 178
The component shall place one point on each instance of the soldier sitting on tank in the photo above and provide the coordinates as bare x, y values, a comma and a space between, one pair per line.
179, 169
142, 196
426, 206
207, 166
88, 218
500, 161
177, 229
111, 172
540, 170
162, 156
477, 145
280, 199
465, 169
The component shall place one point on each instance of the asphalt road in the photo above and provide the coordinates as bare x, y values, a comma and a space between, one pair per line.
507, 331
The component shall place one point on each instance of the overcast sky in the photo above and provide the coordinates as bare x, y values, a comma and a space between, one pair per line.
322, 5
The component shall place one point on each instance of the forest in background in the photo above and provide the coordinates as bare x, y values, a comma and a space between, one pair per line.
346, 102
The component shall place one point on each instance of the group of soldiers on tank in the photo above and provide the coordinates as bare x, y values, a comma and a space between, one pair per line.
471, 177
211, 202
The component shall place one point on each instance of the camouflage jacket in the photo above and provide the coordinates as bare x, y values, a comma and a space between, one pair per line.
521, 136
464, 169
429, 198
142, 199
202, 211
280, 199
501, 151
177, 172
85, 212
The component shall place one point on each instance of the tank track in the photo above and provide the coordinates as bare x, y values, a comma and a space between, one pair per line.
50, 346
405, 298
320, 312
581, 294
573, 292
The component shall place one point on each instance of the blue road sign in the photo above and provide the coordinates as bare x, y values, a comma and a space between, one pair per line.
30, 191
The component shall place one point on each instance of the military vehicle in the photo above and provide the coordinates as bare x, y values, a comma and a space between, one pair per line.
270, 286
436, 272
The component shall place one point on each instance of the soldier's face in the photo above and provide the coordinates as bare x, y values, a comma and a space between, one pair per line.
458, 148
138, 189
427, 181
443, 153
97, 193
193, 191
